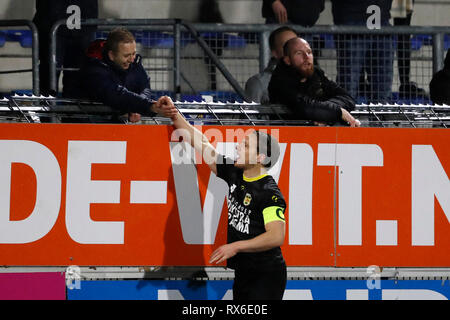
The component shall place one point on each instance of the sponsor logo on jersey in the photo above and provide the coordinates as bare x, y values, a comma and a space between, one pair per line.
247, 199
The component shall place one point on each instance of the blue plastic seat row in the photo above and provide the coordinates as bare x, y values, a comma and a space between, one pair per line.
230, 96
417, 41
227, 40
395, 98
156, 39
427, 40
165, 40
218, 96
24, 37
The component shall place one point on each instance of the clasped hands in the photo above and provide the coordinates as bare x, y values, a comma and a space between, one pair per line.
164, 107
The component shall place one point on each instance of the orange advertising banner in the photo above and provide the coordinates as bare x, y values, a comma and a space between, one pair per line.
112, 195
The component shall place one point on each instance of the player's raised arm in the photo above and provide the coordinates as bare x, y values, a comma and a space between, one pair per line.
196, 139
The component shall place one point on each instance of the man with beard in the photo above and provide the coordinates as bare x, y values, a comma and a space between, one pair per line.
306, 90
256, 86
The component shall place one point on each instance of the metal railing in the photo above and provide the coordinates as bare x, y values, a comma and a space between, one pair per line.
22, 108
428, 51
34, 49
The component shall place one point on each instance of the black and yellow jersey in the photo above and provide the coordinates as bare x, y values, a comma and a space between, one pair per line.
252, 203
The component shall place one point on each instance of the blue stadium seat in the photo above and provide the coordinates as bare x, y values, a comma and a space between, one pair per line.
2, 38
395, 98
236, 42
26, 92
419, 40
163, 40
191, 97
24, 37
222, 96
224, 40
328, 40
158, 93
416, 43
153, 39
361, 100
218, 96
156, 39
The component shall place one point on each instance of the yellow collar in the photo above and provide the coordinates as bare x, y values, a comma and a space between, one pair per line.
255, 178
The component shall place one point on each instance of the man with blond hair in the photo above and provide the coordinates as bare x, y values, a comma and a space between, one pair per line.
113, 74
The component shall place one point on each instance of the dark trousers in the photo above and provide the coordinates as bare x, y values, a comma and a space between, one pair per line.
259, 284
404, 50
372, 54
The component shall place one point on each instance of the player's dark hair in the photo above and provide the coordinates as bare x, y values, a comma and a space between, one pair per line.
268, 146
275, 33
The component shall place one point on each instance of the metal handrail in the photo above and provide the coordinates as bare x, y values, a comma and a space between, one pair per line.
25, 108
34, 48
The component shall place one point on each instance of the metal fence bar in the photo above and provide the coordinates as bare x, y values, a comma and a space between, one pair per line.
438, 50
333, 29
176, 60
16, 71
216, 60
400, 110
264, 50
34, 48
438, 118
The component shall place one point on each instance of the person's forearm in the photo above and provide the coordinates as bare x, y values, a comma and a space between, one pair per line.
265, 241
196, 139
272, 238
191, 134
339, 95
344, 101
120, 98
322, 111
